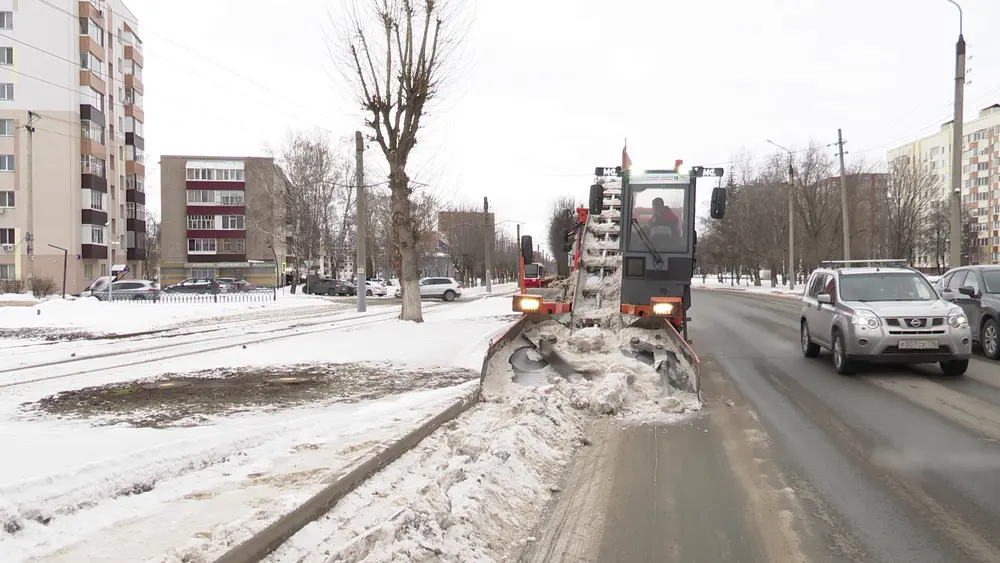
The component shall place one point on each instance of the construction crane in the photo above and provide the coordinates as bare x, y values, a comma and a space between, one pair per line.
635, 279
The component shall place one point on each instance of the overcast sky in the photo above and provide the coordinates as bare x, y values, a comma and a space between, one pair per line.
550, 89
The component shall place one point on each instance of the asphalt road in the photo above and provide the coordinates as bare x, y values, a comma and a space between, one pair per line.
894, 465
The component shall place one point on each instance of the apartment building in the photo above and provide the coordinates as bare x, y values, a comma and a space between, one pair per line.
71, 90
980, 176
222, 217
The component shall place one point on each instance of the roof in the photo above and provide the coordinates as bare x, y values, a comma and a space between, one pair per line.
212, 157
872, 270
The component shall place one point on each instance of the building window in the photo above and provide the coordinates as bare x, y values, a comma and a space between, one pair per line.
206, 245
6, 127
132, 96
92, 165
6, 56
233, 246
92, 131
96, 234
135, 183
231, 197
7, 270
96, 200
88, 271
7, 236
6, 163
88, 27
6, 91
232, 222
7, 199
90, 62
135, 153
135, 210
214, 175
6, 20
200, 196
201, 222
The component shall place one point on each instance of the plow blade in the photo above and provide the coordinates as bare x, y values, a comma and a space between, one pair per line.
532, 352
659, 344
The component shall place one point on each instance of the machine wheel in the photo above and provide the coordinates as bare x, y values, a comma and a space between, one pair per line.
955, 368
809, 348
369, 293
449, 295
988, 338
841, 362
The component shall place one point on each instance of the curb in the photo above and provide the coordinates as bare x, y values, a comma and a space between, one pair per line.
746, 292
263, 543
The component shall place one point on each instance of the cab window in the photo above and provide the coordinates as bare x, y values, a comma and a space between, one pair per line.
816, 284
957, 280
831, 288
972, 281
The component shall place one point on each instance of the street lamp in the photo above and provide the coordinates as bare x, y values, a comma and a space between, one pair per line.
791, 217
956, 146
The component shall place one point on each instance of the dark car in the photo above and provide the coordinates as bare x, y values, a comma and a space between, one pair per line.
977, 290
197, 286
330, 286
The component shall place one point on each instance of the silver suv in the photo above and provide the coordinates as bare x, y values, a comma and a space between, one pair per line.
884, 313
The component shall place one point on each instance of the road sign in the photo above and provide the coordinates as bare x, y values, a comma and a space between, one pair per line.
309, 264
361, 270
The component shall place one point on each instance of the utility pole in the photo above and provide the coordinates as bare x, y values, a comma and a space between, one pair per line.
29, 237
843, 196
520, 261
111, 277
956, 147
790, 274
362, 220
489, 244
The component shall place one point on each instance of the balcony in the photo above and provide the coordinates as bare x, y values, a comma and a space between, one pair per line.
90, 251
133, 167
93, 148
93, 181
88, 44
135, 225
133, 81
87, 9
93, 217
134, 254
133, 54
135, 140
88, 78
135, 196
132, 110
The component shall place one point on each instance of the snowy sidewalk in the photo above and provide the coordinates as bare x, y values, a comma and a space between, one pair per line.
712, 282
99, 486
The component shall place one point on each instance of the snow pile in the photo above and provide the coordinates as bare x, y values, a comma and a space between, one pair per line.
26, 297
589, 339
711, 282
469, 492
610, 392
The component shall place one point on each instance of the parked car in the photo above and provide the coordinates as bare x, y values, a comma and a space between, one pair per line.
137, 290
888, 314
976, 289
197, 286
437, 288
330, 286
233, 284
374, 288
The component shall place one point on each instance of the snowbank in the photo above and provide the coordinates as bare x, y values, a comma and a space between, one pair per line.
712, 282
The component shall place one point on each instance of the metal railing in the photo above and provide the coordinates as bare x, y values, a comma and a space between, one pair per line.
256, 295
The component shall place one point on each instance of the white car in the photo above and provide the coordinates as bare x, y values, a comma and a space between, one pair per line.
437, 288
375, 289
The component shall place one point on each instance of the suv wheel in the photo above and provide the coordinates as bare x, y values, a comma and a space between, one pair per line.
840, 360
955, 368
449, 295
331, 292
809, 348
988, 338
369, 293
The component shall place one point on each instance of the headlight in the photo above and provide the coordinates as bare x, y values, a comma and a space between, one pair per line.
527, 304
663, 309
958, 320
866, 319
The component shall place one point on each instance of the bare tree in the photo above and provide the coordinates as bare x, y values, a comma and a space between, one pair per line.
396, 51
906, 202
150, 240
466, 242
562, 218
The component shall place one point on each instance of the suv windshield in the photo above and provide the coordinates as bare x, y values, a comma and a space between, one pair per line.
886, 287
992, 279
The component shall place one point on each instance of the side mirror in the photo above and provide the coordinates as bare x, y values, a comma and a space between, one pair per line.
967, 290
596, 199
527, 249
824, 298
718, 210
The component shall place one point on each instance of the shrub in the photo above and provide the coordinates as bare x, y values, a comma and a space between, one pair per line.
11, 286
42, 287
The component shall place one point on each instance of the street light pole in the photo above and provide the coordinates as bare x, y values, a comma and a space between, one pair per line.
791, 218
65, 254
956, 146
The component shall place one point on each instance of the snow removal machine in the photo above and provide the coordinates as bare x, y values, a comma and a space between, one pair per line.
634, 254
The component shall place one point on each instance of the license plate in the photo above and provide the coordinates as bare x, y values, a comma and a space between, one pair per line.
918, 344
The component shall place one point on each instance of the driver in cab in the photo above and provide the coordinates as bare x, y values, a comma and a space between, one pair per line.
664, 217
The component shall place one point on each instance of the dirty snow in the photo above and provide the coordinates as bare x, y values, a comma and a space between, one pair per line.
711, 282
190, 492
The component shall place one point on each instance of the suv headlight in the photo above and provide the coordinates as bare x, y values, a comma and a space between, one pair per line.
958, 320
866, 319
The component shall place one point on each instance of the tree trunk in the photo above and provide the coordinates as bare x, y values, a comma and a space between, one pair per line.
406, 244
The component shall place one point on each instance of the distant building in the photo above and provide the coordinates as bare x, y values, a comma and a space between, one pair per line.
980, 175
77, 66
223, 217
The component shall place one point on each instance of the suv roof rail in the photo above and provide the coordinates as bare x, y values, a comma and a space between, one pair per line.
881, 263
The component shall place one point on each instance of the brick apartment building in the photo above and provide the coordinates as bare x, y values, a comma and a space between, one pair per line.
222, 217
73, 70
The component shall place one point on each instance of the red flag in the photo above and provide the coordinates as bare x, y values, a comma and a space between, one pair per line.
626, 161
